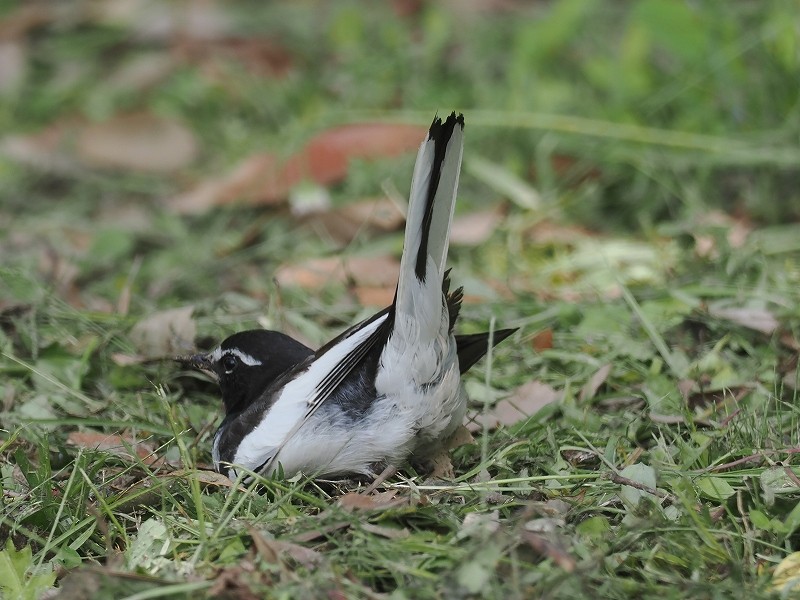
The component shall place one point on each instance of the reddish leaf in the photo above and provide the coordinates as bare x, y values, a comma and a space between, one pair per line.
263, 179
543, 340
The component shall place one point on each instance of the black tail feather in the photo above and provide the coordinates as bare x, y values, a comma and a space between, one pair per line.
472, 347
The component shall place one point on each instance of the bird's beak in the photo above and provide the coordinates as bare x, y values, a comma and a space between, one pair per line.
201, 362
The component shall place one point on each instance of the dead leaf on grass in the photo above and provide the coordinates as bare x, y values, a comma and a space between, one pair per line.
113, 443
137, 142
265, 179
344, 223
47, 150
363, 271
758, 319
600, 376
389, 533
165, 333
542, 340
525, 401
320, 532
259, 56
473, 229
356, 501
13, 64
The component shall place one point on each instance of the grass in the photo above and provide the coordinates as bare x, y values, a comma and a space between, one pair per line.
643, 157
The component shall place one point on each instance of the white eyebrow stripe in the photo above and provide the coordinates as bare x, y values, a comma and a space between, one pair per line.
242, 356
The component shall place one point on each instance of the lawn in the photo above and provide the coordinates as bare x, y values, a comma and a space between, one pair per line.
171, 173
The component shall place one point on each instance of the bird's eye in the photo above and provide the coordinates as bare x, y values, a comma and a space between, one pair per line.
229, 364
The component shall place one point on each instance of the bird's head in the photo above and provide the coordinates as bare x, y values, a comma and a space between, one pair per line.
246, 363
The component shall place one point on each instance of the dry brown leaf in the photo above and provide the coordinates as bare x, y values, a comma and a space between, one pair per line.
524, 402
264, 179
137, 142
460, 437
261, 57
254, 181
441, 466
388, 532
163, 22
165, 333
382, 501
595, 381
115, 444
46, 150
362, 271
13, 64
546, 233
758, 319
543, 340
374, 296
320, 532
142, 72
473, 229
207, 478
343, 224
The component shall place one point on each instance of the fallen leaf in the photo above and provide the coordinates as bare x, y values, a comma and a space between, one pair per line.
473, 229
363, 271
207, 478
479, 524
265, 179
356, 501
543, 340
373, 296
254, 181
165, 21
113, 443
344, 223
758, 319
389, 533
441, 466
600, 376
137, 142
46, 150
261, 57
320, 532
13, 64
165, 333
460, 437
141, 72
547, 233
524, 402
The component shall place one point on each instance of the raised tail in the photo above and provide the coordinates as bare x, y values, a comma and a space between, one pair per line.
430, 213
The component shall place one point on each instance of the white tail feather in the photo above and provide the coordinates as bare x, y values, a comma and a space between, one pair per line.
420, 283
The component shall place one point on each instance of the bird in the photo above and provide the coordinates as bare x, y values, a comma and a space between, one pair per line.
387, 390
